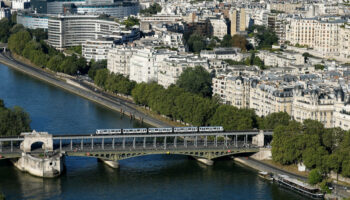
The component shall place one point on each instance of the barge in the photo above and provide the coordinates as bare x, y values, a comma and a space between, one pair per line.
299, 186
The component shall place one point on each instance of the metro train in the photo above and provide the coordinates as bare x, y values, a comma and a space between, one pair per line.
193, 129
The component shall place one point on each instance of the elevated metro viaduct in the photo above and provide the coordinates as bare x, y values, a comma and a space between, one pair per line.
111, 148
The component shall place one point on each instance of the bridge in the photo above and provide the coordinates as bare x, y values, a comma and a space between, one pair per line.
111, 148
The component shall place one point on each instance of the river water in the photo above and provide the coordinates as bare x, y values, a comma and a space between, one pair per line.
147, 178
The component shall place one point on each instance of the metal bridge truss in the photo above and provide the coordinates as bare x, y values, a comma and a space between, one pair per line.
119, 147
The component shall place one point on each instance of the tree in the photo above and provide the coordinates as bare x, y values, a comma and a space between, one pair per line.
5, 26
287, 143
314, 177
39, 34
266, 37
198, 46
274, 119
69, 66
94, 66
131, 21
13, 121
17, 28
232, 118
226, 41
324, 187
196, 80
101, 77
18, 41
195, 43
240, 42
55, 62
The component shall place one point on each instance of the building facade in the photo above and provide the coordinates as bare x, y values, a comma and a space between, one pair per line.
74, 30
32, 21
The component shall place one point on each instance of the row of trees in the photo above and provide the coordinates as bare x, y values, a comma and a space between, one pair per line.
189, 100
30, 45
116, 83
317, 147
13, 121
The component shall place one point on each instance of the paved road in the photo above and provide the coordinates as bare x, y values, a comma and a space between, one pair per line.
89, 92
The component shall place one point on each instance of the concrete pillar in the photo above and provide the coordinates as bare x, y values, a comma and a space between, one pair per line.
111, 163
205, 161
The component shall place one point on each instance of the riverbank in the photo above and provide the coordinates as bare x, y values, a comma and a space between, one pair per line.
73, 86
263, 166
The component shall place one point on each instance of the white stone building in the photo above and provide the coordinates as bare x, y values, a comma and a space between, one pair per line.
118, 60
144, 64
96, 49
171, 68
218, 27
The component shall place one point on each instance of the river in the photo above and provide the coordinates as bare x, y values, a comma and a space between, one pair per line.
148, 178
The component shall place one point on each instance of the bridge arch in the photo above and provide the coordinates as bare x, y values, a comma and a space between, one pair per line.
210, 155
37, 137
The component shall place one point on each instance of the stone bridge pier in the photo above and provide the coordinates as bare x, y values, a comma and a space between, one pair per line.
50, 164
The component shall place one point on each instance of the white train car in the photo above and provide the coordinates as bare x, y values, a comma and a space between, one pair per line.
185, 129
211, 129
108, 131
160, 130
134, 130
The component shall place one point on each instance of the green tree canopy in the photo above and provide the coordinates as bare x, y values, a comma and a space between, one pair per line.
314, 177
196, 80
18, 41
266, 37
131, 21
273, 120
13, 121
232, 118
196, 43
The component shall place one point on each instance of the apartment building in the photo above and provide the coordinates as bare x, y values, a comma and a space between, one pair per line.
238, 21
269, 97
321, 34
218, 27
281, 59
277, 23
344, 41
144, 63
170, 69
97, 49
118, 60
316, 104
